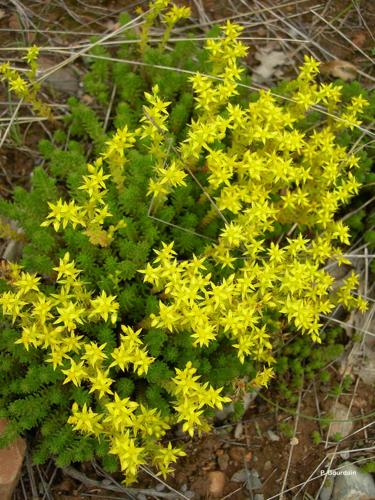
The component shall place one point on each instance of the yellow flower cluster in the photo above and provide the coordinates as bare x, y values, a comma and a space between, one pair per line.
169, 18
168, 171
92, 214
27, 88
264, 173
115, 157
192, 397
52, 323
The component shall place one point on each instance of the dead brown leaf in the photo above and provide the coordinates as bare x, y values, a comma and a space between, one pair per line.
339, 69
359, 39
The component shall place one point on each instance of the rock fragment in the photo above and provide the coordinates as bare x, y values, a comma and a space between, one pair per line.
216, 483
11, 459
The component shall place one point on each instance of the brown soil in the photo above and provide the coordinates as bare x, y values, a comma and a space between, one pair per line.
253, 448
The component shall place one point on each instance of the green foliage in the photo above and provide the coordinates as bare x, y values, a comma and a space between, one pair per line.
300, 361
369, 467
337, 437
286, 429
316, 437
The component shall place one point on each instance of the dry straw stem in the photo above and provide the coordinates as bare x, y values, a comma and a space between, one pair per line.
93, 483
296, 421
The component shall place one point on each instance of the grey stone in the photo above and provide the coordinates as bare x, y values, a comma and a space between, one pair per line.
63, 79
160, 487
225, 412
249, 397
228, 410
238, 430
223, 461
267, 466
239, 476
367, 367
326, 491
345, 425
259, 496
250, 477
253, 482
352, 483
273, 436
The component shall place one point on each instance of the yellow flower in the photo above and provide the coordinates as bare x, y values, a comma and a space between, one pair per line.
130, 455
262, 379
176, 13
104, 306
70, 315
66, 269
75, 373
166, 456
63, 213
18, 85
101, 383
85, 421
30, 336
120, 413
32, 54
94, 354
26, 282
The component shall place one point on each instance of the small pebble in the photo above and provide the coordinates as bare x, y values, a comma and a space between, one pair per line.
253, 482
342, 421
237, 453
225, 412
250, 477
216, 483
223, 461
239, 476
273, 436
238, 430
267, 466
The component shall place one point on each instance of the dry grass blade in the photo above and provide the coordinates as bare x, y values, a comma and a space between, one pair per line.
92, 483
173, 491
31, 477
347, 39
350, 325
296, 421
11, 122
84, 50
